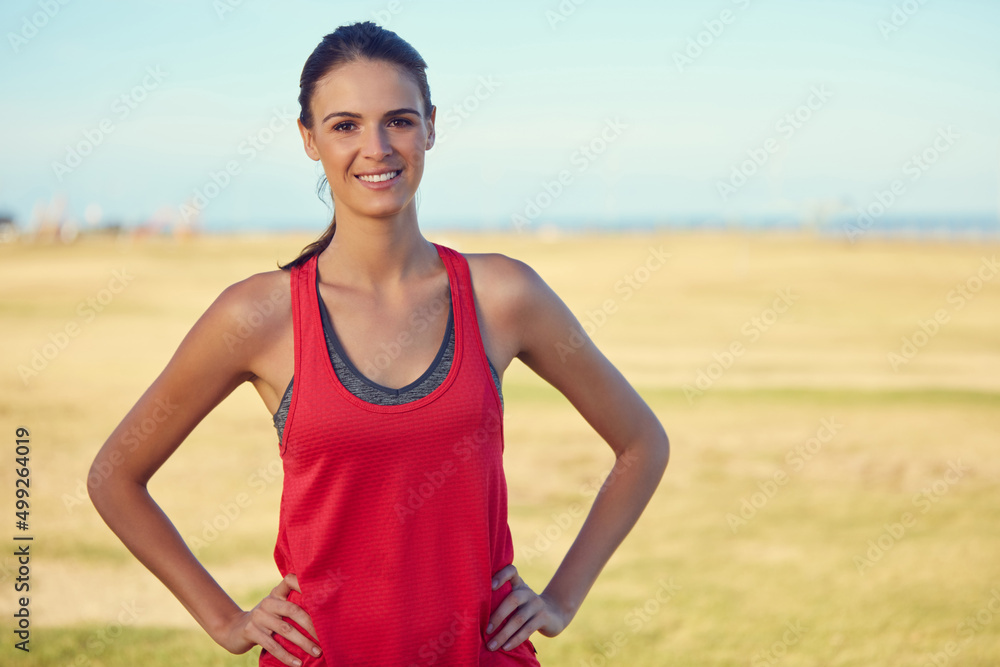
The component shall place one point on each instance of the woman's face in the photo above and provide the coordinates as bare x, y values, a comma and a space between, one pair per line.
367, 120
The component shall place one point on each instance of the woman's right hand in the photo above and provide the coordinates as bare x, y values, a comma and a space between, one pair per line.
258, 625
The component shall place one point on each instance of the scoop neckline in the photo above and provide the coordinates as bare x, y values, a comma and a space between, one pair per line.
327, 323
457, 325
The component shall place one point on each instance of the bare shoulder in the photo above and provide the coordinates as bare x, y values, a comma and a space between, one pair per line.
509, 283
511, 295
262, 293
251, 313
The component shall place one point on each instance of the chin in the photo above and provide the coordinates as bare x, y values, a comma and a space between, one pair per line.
380, 211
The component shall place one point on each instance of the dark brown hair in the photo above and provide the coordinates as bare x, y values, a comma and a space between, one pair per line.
347, 44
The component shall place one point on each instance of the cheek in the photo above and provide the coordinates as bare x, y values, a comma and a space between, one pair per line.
415, 152
332, 150
334, 157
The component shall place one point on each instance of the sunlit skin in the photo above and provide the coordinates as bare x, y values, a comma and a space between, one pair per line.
367, 118
355, 131
376, 269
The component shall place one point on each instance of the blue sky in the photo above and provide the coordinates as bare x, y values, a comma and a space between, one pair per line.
732, 109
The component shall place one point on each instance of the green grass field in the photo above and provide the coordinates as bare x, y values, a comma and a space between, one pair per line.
833, 409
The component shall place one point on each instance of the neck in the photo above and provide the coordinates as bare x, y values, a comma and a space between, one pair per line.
376, 253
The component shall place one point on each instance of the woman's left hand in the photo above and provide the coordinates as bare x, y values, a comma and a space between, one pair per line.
527, 612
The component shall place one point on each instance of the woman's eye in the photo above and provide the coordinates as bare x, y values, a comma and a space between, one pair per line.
395, 122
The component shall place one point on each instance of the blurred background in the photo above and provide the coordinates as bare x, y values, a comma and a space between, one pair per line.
120, 114
778, 219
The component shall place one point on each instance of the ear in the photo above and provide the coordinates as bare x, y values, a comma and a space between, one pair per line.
430, 128
307, 141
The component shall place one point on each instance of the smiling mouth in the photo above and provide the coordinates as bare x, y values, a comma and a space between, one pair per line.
381, 178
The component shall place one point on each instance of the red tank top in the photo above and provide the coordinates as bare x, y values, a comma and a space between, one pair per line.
394, 517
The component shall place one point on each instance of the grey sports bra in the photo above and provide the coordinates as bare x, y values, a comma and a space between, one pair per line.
372, 392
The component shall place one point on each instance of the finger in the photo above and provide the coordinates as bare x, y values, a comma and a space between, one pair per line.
289, 583
518, 627
275, 622
518, 638
272, 646
283, 609
292, 634
511, 602
503, 575
281, 590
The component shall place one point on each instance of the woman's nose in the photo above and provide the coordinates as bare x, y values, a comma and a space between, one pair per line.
377, 143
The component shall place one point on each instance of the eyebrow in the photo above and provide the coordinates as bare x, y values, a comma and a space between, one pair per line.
350, 114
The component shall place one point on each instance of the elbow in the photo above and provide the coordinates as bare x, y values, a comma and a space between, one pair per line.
652, 450
95, 483
657, 448
102, 480
661, 451
656, 443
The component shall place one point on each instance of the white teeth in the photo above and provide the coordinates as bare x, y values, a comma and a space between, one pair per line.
380, 177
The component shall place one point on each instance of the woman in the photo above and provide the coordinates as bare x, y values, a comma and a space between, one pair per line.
393, 539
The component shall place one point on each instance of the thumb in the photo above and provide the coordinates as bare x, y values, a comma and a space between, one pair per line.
289, 583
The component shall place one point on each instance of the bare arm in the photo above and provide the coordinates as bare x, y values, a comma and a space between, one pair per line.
554, 345
203, 371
